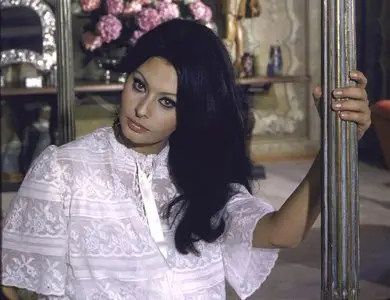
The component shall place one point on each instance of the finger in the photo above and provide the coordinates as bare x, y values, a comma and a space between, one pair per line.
350, 105
350, 92
360, 79
361, 119
317, 93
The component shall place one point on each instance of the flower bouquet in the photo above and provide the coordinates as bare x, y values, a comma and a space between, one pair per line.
115, 25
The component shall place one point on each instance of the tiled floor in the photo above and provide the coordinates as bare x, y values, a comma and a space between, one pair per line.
297, 272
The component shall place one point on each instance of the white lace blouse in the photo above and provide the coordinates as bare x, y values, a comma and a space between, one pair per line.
77, 230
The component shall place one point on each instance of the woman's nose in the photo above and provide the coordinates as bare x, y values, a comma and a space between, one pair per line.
142, 110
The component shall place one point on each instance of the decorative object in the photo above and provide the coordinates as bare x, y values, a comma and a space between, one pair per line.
41, 61
122, 78
233, 11
108, 65
275, 64
116, 25
33, 82
248, 65
52, 80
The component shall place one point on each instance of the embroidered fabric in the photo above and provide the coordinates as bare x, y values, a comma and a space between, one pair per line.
76, 230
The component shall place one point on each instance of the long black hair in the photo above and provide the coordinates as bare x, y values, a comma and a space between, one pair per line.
208, 150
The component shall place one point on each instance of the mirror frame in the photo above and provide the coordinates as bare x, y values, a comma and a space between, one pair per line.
41, 61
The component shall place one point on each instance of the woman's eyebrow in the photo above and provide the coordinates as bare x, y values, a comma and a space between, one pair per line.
142, 75
146, 82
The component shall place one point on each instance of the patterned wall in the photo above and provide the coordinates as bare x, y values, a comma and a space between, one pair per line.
286, 122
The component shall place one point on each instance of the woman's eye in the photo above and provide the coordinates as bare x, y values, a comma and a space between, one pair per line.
138, 85
168, 103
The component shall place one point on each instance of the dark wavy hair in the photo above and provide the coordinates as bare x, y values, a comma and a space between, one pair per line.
208, 149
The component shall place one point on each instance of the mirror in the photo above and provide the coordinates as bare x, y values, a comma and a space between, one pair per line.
27, 34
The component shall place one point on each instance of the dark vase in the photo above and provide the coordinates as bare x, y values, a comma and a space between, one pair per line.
107, 59
275, 64
107, 64
248, 65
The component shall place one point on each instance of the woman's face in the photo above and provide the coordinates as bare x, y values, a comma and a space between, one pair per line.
148, 105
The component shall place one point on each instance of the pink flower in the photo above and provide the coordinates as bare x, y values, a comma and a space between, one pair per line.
167, 10
132, 7
136, 35
109, 28
89, 5
148, 18
91, 41
114, 7
200, 11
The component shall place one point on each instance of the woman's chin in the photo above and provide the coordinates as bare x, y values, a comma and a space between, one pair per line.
133, 137
140, 141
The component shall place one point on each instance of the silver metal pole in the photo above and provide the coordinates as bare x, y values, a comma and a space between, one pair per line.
65, 78
340, 199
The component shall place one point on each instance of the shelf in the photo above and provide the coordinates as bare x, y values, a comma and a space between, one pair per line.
80, 87
7, 186
10, 182
96, 87
262, 80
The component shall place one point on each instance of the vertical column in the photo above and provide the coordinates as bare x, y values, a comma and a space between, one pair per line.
340, 200
65, 79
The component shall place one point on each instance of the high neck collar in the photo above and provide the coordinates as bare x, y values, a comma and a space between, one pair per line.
147, 162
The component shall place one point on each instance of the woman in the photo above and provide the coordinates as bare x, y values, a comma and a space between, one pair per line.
160, 205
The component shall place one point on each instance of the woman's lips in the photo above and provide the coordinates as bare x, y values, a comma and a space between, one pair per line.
136, 127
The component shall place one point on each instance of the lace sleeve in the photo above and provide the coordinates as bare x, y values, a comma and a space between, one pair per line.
34, 233
246, 268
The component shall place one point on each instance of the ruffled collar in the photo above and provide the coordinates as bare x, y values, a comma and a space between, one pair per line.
148, 162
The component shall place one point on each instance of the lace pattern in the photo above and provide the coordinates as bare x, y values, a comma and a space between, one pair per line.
35, 232
246, 267
75, 231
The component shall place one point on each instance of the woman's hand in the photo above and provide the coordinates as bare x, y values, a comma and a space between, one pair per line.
355, 107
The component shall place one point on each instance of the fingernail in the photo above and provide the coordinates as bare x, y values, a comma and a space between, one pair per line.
336, 105
353, 74
338, 92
